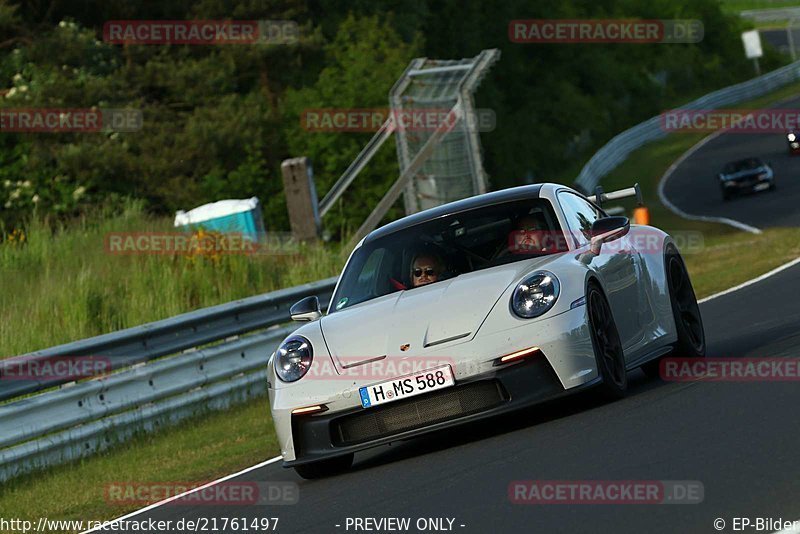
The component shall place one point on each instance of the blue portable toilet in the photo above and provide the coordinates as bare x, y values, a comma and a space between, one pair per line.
226, 216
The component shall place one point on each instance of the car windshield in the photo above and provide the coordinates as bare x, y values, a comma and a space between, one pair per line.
742, 165
447, 247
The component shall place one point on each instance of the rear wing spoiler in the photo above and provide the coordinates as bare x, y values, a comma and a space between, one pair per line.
600, 197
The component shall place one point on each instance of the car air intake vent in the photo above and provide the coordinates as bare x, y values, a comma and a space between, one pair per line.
401, 416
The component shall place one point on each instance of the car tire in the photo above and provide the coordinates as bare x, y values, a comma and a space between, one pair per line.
726, 196
325, 468
691, 341
606, 343
772, 186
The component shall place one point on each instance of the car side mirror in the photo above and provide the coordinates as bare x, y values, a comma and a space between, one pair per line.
608, 229
306, 309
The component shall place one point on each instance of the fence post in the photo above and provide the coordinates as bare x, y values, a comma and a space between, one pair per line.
301, 198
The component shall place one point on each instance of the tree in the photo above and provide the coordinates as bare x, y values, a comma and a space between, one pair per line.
362, 63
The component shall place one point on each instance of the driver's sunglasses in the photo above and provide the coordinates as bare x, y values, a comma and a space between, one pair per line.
428, 271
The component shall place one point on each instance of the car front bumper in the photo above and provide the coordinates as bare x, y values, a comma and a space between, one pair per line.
747, 184
518, 385
565, 346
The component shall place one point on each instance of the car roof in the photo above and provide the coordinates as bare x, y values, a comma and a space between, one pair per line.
479, 201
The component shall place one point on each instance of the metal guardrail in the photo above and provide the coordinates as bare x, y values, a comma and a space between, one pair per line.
620, 146
769, 15
169, 336
80, 419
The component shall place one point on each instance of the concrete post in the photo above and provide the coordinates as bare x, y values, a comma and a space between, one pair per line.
301, 198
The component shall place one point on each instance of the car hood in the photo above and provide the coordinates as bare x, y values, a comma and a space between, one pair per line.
436, 315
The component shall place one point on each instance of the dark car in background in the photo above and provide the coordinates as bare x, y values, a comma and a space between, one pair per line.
745, 176
793, 139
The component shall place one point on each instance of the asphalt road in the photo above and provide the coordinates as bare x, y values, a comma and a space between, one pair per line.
740, 440
693, 186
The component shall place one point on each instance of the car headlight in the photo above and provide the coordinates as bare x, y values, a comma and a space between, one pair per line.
535, 295
791, 137
293, 359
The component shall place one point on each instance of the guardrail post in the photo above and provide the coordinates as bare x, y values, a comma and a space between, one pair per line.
301, 198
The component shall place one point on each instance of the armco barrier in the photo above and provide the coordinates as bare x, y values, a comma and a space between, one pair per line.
619, 147
79, 419
771, 15
169, 336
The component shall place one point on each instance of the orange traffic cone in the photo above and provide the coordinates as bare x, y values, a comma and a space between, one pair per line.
641, 215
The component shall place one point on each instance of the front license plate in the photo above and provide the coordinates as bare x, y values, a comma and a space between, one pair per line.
407, 386
761, 187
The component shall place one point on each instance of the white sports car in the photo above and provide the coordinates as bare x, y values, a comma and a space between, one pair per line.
472, 309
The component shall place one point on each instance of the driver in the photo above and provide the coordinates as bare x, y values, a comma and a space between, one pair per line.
426, 269
528, 228
528, 236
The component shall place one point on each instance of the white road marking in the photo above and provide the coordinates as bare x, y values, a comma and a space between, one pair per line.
679, 212
753, 281
174, 497
676, 210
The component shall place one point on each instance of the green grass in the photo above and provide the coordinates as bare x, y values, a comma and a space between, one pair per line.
737, 6
729, 260
60, 284
195, 451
